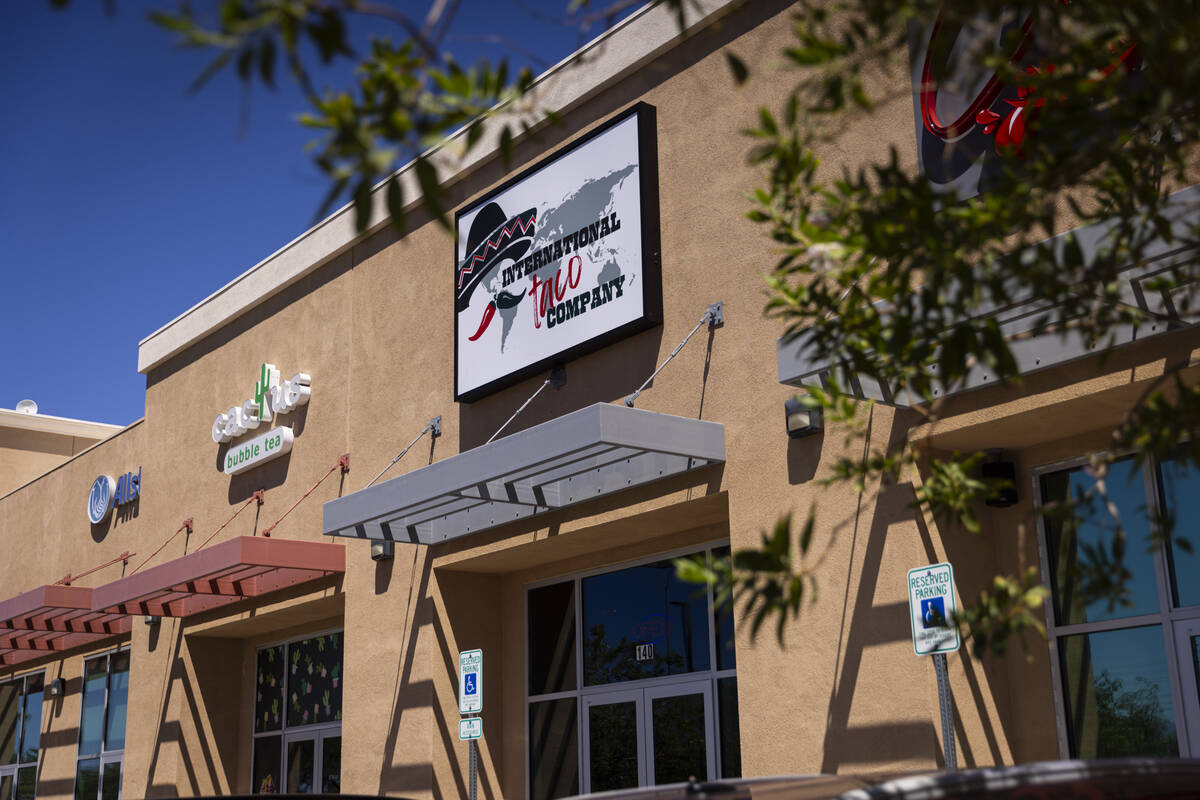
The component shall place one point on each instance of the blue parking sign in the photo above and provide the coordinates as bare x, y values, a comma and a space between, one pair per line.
933, 612
470, 681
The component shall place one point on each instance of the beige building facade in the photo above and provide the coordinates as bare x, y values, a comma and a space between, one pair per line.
262, 618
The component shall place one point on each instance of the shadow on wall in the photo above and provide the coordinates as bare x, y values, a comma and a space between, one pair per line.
849, 745
409, 695
217, 674
119, 516
473, 614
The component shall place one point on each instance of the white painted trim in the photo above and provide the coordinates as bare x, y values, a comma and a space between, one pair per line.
611, 56
61, 426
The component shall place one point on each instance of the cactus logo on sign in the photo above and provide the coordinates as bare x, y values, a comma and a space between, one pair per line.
271, 397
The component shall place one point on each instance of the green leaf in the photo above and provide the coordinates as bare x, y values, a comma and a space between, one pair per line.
432, 189
395, 202
737, 67
207, 74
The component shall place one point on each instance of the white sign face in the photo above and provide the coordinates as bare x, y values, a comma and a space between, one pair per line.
560, 261
931, 606
470, 681
246, 455
470, 728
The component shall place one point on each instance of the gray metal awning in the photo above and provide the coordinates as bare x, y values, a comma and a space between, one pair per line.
589, 453
1034, 352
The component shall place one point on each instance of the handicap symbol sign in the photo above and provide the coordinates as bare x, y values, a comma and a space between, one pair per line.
933, 612
469, 685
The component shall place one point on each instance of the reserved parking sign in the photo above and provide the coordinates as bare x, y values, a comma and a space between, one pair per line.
931, 609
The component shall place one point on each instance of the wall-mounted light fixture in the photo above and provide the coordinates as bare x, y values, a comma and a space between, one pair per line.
801, 420
382, 551
151, 619
57, 687
1001, 473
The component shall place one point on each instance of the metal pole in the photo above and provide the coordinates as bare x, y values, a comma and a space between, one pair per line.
945, 701
472, 771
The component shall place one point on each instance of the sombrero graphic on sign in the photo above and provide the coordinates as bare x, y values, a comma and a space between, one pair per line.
560, 260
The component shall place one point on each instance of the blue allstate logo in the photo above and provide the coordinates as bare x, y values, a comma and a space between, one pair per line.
101, 499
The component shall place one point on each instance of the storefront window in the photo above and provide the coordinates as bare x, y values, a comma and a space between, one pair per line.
639, 606
297, 716
633, 684
1068, 539
1125, 677
1181, 501
102, 727
20, 735
1118, 694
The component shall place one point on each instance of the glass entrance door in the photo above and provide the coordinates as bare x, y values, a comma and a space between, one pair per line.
313, 761
642, 737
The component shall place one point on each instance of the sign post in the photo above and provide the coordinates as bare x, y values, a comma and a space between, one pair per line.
470, 701
931, 605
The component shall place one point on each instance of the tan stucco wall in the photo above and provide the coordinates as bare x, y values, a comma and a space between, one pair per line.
26, 454
374, 330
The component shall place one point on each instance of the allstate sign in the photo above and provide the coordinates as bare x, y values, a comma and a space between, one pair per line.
108, 492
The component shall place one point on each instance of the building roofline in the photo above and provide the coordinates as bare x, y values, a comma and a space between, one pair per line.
61, 426
626, 46
117, 432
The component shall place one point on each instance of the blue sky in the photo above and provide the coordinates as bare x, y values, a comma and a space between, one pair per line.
125, 200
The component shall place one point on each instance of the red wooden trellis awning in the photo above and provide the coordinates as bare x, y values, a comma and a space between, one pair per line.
53, 618
248, 566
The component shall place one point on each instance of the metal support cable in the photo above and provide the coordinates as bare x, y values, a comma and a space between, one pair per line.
187, 524
435, 425
260, 496
517, 413
343, 462
713, 315
65, 580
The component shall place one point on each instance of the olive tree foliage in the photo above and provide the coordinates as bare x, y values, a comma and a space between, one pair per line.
878, 274
874, 271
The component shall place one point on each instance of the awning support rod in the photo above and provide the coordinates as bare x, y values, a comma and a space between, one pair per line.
558, 377
714, 315
259, 496
434, 428
187, 524
65, 580
343, 463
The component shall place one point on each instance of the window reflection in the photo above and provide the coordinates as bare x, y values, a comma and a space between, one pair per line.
643, 605
1071, 540
553, 749
1180, 483
1118, 694
31, 727
91, 723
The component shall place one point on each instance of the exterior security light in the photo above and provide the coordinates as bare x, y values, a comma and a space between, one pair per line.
57, 687
153, 619
382, 551
1001, 473
801, 420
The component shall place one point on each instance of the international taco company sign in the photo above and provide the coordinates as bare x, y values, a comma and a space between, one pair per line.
561, 260
271, 397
